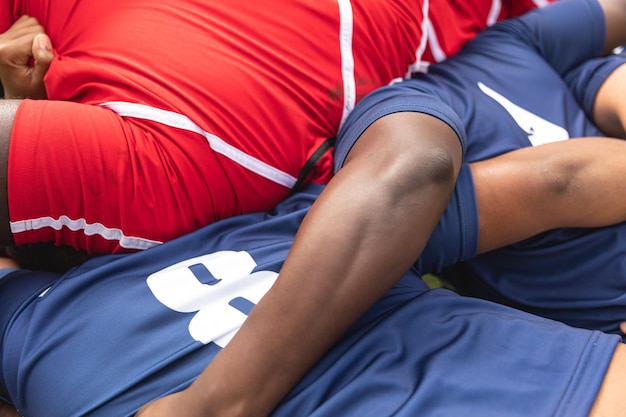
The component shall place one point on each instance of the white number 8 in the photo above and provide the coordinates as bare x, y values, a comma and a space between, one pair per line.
222, 301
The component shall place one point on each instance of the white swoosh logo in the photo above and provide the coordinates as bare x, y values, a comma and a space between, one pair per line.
539, 130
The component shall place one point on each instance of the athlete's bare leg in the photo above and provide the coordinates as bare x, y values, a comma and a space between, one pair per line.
7, 115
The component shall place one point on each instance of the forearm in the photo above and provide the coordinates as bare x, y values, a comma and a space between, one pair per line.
364, 232
574, 183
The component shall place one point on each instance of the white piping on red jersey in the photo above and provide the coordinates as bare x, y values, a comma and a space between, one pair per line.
541, 3
179, 121
419, 65
494, 12
433, 42
346, 19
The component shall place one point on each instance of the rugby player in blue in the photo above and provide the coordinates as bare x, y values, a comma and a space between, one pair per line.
123, 330
529, 83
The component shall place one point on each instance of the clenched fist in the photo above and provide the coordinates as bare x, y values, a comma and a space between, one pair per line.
25, 55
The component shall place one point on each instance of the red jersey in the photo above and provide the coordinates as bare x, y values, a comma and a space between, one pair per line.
454, 22
166, 116
190, 111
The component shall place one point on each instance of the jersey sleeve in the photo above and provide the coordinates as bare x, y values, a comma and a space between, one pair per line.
455, 238
395, 98
554, 30
586, 79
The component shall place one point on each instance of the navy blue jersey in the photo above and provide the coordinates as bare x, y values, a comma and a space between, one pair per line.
520, 83
123, 330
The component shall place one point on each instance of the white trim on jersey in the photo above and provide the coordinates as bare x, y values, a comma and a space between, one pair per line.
179, 121
541, 3
494, 12
419, 65
433, 42
346, 27
89, 229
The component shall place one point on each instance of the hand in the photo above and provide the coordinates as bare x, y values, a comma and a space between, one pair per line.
25, 55
622, 327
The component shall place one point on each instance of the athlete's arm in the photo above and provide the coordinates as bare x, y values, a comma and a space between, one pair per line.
362, 234
24, 42
573, 183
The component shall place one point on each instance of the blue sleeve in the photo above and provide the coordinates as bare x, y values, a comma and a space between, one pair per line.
565, 33
455, 238
6, 271
585, 80
388, 100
